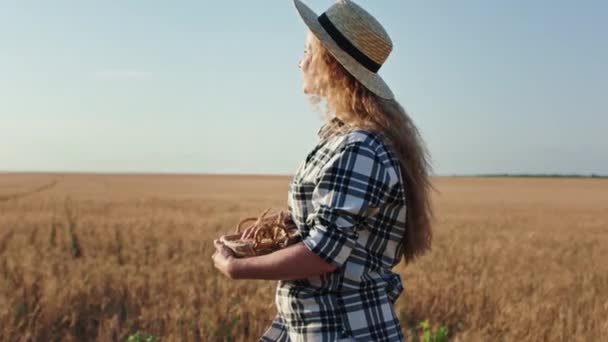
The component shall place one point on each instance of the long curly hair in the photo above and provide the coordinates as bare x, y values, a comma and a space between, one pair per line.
352, 103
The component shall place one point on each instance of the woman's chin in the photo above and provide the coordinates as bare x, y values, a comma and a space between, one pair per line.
309, 91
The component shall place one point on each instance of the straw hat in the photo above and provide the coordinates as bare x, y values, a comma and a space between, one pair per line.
355, 38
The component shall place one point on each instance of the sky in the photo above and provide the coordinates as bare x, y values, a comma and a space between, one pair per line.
214, 87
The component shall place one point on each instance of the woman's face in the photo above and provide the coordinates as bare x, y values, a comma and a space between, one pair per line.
305, 63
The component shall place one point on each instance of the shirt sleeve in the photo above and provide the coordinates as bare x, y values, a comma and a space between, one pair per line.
351, 186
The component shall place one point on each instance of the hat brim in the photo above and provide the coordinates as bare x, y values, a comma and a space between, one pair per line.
369, 79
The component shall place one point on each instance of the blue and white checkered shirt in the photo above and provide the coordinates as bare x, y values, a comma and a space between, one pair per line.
347, 199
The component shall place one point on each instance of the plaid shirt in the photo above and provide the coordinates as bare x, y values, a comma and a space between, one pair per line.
347, 199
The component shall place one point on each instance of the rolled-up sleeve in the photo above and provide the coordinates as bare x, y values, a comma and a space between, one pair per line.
350, 187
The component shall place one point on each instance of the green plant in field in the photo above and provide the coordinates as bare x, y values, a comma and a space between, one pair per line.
141, 337
440, 334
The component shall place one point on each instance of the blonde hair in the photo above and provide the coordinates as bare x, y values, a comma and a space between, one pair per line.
358, 107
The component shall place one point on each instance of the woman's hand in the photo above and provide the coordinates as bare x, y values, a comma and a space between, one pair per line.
224, 259
290, 263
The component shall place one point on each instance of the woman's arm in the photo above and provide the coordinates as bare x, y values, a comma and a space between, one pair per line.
353, 184
293, 262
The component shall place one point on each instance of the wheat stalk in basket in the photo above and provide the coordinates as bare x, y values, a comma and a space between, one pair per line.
271, 232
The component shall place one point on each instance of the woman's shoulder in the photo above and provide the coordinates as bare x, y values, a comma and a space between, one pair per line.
375, 146
364, 137
367, 139
341, 136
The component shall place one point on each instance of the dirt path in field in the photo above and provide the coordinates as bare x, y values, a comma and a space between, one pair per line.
8, 197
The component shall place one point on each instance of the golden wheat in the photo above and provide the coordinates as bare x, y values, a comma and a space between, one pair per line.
102, 257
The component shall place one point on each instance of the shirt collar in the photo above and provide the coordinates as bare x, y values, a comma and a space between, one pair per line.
334, 126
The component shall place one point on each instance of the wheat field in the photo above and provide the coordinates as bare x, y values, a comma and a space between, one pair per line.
102, 257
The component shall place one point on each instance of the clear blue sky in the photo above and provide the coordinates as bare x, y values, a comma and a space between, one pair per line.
213, 86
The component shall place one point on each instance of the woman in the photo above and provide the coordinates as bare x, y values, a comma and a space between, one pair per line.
348, 198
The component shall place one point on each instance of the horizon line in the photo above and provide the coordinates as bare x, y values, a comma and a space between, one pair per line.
233, 174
